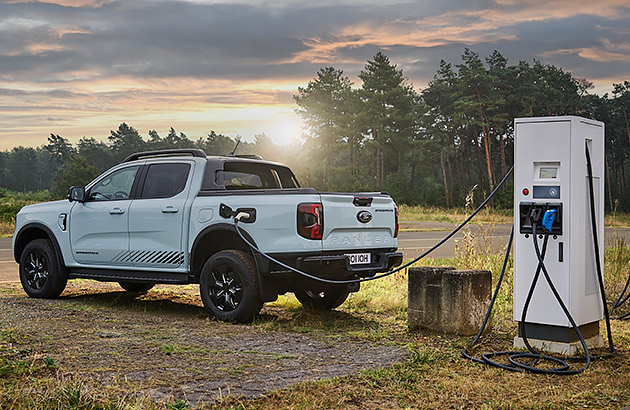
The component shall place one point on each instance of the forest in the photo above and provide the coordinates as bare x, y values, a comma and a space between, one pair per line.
437, 146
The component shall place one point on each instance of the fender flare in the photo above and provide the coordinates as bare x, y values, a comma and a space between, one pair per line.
219, 227
40, 226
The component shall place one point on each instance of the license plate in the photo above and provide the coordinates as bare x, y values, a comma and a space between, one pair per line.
359, 258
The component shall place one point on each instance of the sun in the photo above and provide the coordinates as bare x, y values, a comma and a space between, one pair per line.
285, 131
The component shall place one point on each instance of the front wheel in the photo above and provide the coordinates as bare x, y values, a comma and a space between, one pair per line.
40, 271
229, 286
323, 300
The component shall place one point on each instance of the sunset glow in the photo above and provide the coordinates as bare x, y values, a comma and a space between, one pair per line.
81, 67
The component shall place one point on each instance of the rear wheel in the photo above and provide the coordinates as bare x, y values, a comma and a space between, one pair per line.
229, 286
323, 300
136, 287
40, 271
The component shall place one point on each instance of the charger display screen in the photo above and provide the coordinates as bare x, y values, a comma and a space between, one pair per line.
548, 173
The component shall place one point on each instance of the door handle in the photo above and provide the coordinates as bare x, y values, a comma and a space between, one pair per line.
117, 211
170, 210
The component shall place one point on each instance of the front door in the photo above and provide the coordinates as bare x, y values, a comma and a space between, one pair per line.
99, 226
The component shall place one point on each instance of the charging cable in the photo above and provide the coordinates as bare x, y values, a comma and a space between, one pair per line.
244, 215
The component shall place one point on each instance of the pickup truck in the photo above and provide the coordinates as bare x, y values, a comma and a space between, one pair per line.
168, 217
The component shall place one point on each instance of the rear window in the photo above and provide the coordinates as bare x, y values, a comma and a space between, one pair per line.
245, 175
165, 180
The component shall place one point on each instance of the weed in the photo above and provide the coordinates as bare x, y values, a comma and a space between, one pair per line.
168, 348
178, 405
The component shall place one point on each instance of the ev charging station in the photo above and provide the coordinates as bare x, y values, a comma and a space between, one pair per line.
552, 197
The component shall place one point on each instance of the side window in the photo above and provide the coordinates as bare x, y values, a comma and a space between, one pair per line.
165, 180
115, 186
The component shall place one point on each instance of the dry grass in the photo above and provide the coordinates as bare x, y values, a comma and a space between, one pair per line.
454, 215
435, 377
486, 216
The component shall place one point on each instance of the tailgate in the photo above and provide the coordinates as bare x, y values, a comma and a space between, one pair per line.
358, 221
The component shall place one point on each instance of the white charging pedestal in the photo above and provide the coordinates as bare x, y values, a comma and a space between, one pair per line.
550, 172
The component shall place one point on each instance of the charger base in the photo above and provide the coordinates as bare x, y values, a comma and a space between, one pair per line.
559, 339
563, 348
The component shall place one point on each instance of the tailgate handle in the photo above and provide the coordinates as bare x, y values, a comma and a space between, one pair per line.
362, 201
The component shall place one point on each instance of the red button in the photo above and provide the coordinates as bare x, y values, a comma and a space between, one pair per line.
525, 191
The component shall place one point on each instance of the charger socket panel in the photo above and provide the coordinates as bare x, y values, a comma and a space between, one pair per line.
527, 209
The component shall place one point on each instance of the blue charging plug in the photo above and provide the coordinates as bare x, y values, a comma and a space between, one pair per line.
548, 218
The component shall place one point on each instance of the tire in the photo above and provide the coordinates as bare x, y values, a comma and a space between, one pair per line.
136, 287
40, 270
229, 286
324, 300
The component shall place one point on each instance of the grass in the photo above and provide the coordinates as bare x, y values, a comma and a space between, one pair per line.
434, 376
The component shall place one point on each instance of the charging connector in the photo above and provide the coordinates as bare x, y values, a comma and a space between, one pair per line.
548, 218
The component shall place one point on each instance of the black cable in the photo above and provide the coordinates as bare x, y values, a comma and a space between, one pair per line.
351, 281
564, 370
620, 302
492, 301
533, 355
600, 275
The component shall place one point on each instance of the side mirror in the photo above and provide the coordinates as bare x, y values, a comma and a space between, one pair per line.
76, 193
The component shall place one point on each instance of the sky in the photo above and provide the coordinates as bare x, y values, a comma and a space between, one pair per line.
81, 67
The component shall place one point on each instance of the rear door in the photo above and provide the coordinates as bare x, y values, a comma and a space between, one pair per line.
353, 222
156, 216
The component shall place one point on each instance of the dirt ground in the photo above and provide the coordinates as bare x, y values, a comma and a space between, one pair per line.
164, 345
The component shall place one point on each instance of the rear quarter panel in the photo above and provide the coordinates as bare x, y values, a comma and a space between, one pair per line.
275, 228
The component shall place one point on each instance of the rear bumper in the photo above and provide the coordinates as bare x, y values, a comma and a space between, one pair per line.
335, 265
276, 279
381, 262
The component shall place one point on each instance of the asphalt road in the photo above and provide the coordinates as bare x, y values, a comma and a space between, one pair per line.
411, 243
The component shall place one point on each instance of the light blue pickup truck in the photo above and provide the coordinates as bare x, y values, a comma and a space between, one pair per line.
168, 217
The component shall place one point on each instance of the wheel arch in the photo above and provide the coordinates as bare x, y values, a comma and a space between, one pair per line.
216, 238
36, 230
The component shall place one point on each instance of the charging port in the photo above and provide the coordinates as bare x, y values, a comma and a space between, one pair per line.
545, 214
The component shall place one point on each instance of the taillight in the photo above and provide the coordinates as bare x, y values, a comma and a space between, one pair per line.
396, 220
310, 220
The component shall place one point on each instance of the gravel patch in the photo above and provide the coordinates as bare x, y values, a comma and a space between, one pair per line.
164, 345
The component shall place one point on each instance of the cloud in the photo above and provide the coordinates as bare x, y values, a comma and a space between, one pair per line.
93, 63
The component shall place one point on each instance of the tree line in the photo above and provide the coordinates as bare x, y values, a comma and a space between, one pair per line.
431, 147
437, 145
59, 164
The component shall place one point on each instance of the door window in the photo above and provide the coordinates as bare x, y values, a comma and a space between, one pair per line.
165, 180
115, 186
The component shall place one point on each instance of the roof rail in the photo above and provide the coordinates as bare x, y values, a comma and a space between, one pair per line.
249, 156
193, 152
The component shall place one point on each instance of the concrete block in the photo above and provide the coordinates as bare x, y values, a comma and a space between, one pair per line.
446, 300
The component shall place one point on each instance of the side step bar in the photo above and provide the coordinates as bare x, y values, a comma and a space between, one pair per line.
112, 275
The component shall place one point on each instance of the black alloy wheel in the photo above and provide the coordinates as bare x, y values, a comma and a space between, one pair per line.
226, 288
36, 270
229, 286
40, 271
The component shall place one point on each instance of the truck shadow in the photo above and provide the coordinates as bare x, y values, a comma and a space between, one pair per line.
177, 305
182, 305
